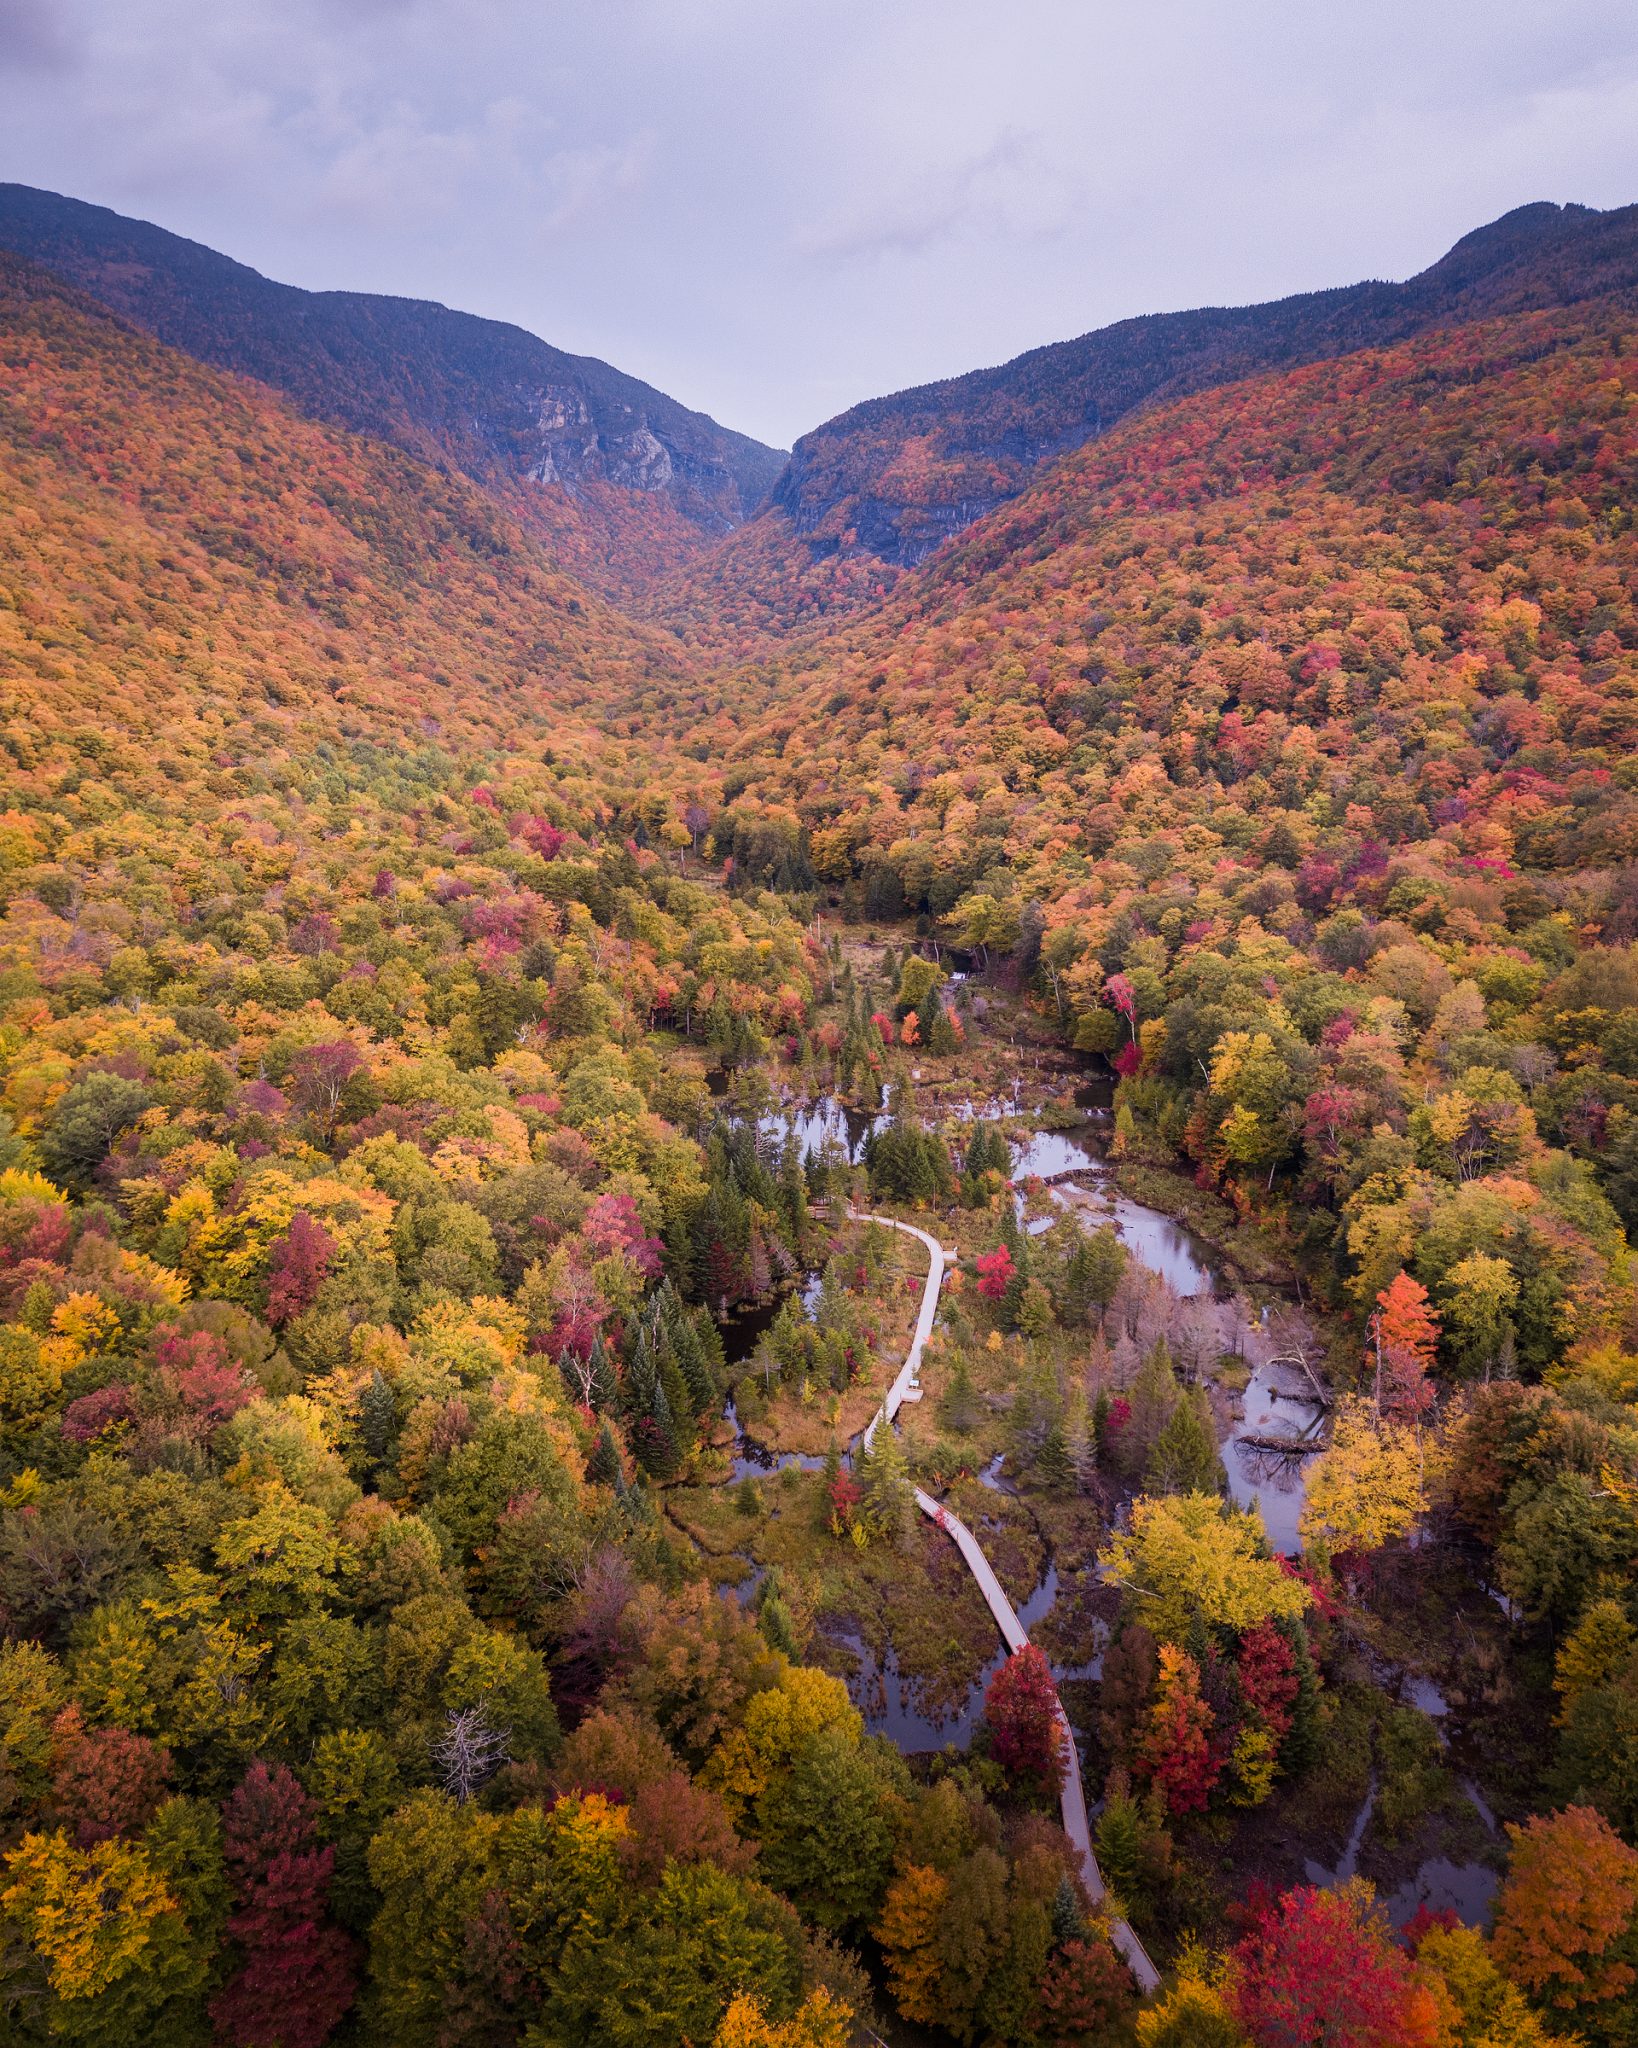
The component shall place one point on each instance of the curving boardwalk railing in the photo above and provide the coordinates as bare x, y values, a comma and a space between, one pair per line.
1013, 1633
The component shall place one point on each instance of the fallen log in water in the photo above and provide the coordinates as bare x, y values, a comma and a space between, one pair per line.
1282, 1446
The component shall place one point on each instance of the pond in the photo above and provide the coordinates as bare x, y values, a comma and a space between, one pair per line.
1466, 1889
1278, 1402
1154, 1240
823, 1122
891, 1704
752, 1460
1045, 1154
744, 1330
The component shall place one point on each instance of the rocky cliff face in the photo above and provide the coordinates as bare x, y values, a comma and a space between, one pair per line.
475, 395
898, 475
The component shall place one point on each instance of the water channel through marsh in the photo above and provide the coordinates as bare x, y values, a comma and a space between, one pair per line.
1278, 1405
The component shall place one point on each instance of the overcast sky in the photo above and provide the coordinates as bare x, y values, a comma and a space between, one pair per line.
774, 208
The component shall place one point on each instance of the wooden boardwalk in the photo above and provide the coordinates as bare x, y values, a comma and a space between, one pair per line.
1077, 1825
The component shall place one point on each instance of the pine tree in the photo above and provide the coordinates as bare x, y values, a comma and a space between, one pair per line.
1068, 1923
958, 1407
1012, 1300
1106, 1265
1053, 1465
1154, 1395
773, 1616
603, 1466
377, 1419
1184, 1458
605, 1386
1080, 1444
1119, 1842
694, 1367
662, 1453
885, 1485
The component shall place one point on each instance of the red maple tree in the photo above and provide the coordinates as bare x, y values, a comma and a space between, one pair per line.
1320, 1970
1267, 1669
995, 1270
1021, 1707
1404, 1344
295, 1979
297, 1265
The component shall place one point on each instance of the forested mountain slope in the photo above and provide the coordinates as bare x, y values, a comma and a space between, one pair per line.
1331, 673
191, 566
414, 976
620, 478
897, 475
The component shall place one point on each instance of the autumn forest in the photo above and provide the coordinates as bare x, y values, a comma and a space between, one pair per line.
811, 1252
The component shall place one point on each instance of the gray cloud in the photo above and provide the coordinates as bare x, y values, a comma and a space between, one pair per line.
35, 36
773, 208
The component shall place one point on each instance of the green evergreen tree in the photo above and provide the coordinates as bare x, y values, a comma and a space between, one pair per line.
1184, 1458
603, 1466
959, 1407
1153, 1396
1068, 1924
1011, 1303
885, 1486
377, 1419
660, 1452
605, 1387
1119, 1843
1104, 1266
1053, 1465
1080, 1441
773, 1615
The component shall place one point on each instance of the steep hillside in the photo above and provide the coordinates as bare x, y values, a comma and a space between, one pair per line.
619, 477
1333, 667
199, 582
898, 475
1351, 560
436, 1604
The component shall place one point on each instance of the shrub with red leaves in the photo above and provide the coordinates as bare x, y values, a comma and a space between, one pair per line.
85, 1420
195, 1369
1267, 1670
612, 1224
297, 1266
104, 1781
1085, 1994
995, 1271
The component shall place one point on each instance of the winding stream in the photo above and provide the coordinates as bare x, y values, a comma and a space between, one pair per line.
1276, 1402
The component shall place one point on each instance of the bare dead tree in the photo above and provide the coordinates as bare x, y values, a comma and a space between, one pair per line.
470, 1751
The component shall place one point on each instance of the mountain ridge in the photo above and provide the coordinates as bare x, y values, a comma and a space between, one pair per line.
456, 389
897, 475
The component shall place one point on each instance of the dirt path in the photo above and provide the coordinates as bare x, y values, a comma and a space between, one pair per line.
1076, 1823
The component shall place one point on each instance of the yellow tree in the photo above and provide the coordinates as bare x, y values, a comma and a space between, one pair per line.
820, 2022
1369, 1487
1193, 1554
1590, 1657
906, 1932
1479, 2007
88, 1914
778, 1723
